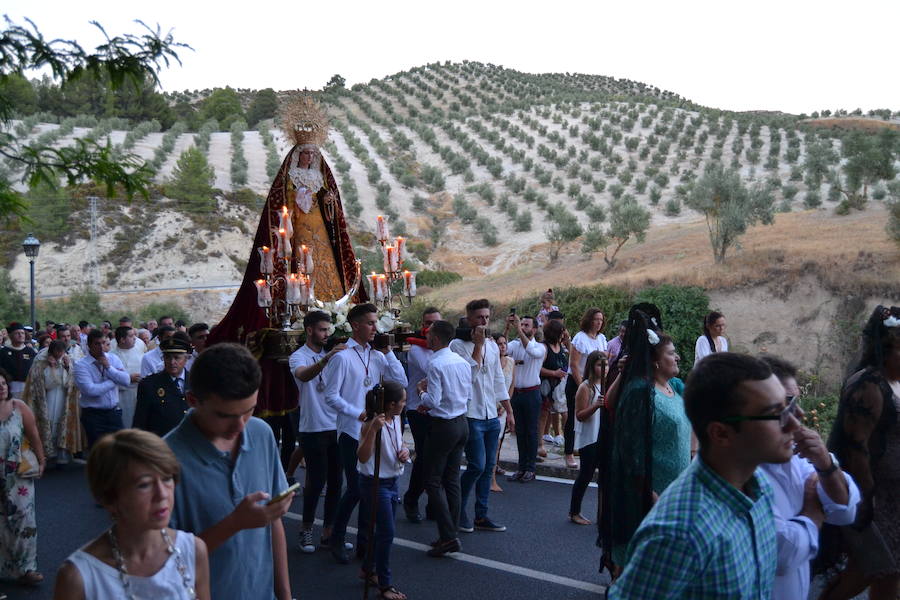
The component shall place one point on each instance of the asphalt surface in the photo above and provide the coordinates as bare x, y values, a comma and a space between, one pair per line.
540, 555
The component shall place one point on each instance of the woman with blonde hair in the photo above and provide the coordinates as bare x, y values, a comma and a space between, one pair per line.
132, 473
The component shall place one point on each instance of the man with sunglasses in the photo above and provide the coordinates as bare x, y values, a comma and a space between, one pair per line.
711, 533
810, 490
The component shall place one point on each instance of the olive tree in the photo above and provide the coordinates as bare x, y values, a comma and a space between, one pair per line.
729, 206
627, 219
129, 59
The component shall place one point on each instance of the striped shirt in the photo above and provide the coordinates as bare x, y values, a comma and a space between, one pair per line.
703, 539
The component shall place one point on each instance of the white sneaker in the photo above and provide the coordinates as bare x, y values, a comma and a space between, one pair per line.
306, 541
549, 438
560, 440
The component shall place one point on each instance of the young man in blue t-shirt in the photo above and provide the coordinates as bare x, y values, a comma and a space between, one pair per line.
230, 468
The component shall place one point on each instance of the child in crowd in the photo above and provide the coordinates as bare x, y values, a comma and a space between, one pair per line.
393, 456
547, 307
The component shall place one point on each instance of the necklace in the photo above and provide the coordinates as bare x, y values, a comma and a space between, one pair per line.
368, 380
170, 548
392, 433
666, 389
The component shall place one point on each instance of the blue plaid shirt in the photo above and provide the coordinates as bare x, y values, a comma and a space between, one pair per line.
703, 539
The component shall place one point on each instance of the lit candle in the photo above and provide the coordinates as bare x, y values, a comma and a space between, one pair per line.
373, 285
382, 287
304, 290
409, 283
401, 250
284, 244
306, 259
263, 295
265, 260
284, 221
293, 289
390, 259
382, 229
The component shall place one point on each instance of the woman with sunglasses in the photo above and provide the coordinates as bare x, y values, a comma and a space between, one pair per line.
866, 440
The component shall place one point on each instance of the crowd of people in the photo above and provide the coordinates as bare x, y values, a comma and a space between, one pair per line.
709, 487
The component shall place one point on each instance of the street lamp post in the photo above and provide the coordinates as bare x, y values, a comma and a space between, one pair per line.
31, 245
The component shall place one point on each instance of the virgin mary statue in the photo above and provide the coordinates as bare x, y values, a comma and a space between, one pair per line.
305, 187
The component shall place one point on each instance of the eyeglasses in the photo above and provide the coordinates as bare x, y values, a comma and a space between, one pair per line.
784, 417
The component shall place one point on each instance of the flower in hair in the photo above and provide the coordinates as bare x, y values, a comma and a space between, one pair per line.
652, 337
892, 321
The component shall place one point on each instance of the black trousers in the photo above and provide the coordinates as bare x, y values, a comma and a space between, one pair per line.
590, 462
283, 429
323, 465
97, 422
443, 455
347, 447
419, 425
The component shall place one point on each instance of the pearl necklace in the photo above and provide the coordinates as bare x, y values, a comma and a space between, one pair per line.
170, 548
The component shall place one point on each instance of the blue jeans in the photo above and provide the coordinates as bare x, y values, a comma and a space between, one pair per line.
481, 456
347, 447
527, 411
385, 510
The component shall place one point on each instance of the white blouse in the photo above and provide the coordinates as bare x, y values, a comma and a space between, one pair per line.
585, 344
702, 349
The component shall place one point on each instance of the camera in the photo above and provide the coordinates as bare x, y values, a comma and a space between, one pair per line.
383, 340
464, 332
374, 401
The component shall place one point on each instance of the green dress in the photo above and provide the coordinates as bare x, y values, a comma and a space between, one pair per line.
669, 445
18, 533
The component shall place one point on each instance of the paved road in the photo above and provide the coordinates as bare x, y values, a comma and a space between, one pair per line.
541, 555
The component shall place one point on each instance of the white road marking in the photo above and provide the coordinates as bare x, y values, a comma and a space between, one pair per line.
486, 562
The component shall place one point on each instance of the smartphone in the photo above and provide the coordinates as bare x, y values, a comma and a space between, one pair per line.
284, 494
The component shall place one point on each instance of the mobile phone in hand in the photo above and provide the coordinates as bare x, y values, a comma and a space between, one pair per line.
283, 494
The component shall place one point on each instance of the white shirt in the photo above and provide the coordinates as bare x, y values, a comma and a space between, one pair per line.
417, 363
345, 390
391, 443
702, 349
798, 537
488, 383
449, 385
131, 360
99, 385
315, 415
585, 344
138, 343
152, 362
528, 362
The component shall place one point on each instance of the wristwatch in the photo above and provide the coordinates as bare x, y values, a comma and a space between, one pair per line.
835, 465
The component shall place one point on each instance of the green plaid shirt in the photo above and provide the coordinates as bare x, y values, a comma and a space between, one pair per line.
703, 539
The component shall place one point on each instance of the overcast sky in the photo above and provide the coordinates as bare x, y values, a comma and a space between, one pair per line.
790, 55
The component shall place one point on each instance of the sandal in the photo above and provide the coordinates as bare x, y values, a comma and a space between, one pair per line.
31, 578
392, 593
579, 520
541, 452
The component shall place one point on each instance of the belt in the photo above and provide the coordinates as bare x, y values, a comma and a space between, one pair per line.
528, 389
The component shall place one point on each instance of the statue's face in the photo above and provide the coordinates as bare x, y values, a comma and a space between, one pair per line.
306, 158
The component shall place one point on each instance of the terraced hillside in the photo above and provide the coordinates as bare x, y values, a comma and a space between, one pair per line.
490, 168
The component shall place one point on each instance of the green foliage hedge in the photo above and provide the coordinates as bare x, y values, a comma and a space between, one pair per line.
682, 307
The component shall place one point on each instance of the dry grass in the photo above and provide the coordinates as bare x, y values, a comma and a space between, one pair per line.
850, 253
851, 123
